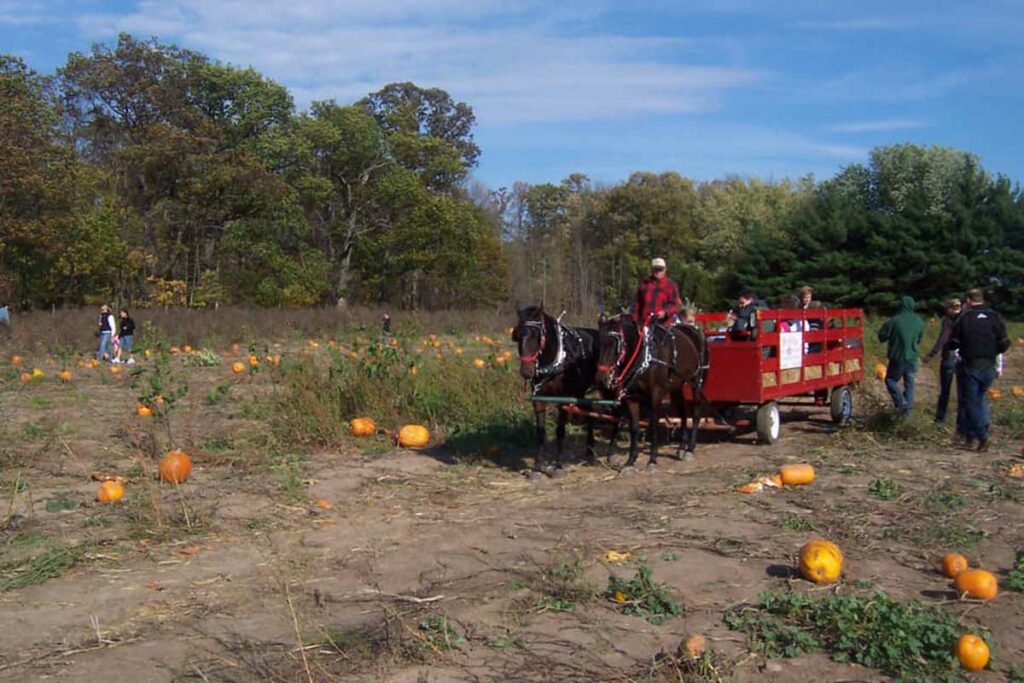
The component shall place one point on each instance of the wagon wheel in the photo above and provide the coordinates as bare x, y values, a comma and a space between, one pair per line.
841, 405
769, 423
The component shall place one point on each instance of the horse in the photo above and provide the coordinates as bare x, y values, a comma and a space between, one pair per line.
644, 365
559, 360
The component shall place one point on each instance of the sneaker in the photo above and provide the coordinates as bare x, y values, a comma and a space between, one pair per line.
983, 445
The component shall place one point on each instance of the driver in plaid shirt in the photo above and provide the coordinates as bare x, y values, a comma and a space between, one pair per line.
659, 295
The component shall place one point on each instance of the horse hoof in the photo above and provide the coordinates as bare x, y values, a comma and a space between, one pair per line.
627, 471
687, 456
557, 473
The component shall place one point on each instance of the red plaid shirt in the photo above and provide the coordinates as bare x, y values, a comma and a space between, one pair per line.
654, 295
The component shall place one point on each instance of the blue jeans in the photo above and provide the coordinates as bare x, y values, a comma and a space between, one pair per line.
974, 385
900, 370
104, 345
946, 372
126, 343
5, 317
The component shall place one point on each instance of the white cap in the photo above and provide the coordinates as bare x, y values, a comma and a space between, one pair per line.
658, 263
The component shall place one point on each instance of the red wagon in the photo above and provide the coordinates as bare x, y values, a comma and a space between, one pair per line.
797, 357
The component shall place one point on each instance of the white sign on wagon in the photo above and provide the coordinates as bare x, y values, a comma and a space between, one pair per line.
791, 350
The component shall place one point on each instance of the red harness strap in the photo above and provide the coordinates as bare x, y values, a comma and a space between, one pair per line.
540, 347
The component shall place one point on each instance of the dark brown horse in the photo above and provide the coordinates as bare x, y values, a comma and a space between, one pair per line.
643, 367
559, 360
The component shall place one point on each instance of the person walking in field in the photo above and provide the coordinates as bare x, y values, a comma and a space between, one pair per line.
979, 336
106, 333
948, 359
125, 337
657, 297
903, 334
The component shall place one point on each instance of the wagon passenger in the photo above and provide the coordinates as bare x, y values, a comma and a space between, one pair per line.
742, 322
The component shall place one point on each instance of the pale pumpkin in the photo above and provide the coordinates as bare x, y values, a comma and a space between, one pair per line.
796, 474
175, 467
821, 561
972, 652
977, 583
953, 564
413, 436
362, 426
110, 492
695, 646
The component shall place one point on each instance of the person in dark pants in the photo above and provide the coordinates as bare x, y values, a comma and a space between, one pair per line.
125, 335
979, 335
903, 332
948, 358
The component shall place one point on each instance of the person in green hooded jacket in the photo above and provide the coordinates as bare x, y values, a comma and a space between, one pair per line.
903, 332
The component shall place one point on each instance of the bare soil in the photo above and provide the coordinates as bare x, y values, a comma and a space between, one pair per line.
415, 568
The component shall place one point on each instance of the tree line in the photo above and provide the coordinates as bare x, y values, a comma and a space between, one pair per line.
148, 174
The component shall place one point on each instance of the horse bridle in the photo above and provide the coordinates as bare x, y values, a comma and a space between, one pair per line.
539, 324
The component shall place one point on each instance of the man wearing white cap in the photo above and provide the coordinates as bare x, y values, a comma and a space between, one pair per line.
657, 297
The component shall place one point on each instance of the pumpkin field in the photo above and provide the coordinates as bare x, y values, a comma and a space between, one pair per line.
289, 496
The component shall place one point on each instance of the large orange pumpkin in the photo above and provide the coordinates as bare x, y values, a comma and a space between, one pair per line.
413, 436
362, 426
977, 583
175, 467
795, 475
821, 561
110, 492
972, 652
953, 564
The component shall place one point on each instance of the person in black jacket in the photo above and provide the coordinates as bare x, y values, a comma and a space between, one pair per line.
948, 360
979, 336
125, 336
742, 322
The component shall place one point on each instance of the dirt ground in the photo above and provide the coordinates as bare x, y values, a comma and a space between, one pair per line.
414, 568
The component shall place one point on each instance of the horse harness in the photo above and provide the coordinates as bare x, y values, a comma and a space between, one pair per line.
565, 335
631, 372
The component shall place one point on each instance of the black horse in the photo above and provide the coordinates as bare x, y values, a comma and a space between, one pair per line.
559, 360
643, 366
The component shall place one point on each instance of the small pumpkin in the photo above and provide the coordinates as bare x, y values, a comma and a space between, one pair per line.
238, 368
821, 561
995, 394
880, 370
1017, 391
175, 467
254, 361
479, 362
187, 348
413, 436
234, 349
972, 652
65, 376
158, 400
143, 410
796, 474
115, 369
37, 373
362, 426
110, 492
175, 349
148, 353
16, 360
977, 583
25, 378
953, 564
695, 646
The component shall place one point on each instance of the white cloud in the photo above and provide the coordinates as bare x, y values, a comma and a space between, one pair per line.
510, 62
876, 126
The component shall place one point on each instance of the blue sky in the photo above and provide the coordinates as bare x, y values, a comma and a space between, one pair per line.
766, 88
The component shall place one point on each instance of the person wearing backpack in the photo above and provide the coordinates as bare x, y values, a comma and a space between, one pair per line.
979, 336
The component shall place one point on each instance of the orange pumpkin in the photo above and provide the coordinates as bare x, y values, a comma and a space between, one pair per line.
254, 361
880, 370
175, 467
65, 376
953, 564
695, 646
25, 378
187, 348
977, 583
175, 349
362, 426
238, 368
115, 369
16, 360
972, 652
110, 492
158, 399
143, 411
1017, 391
479, 362
795, 475
995, 394
413, 436
234, 349
821, 561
